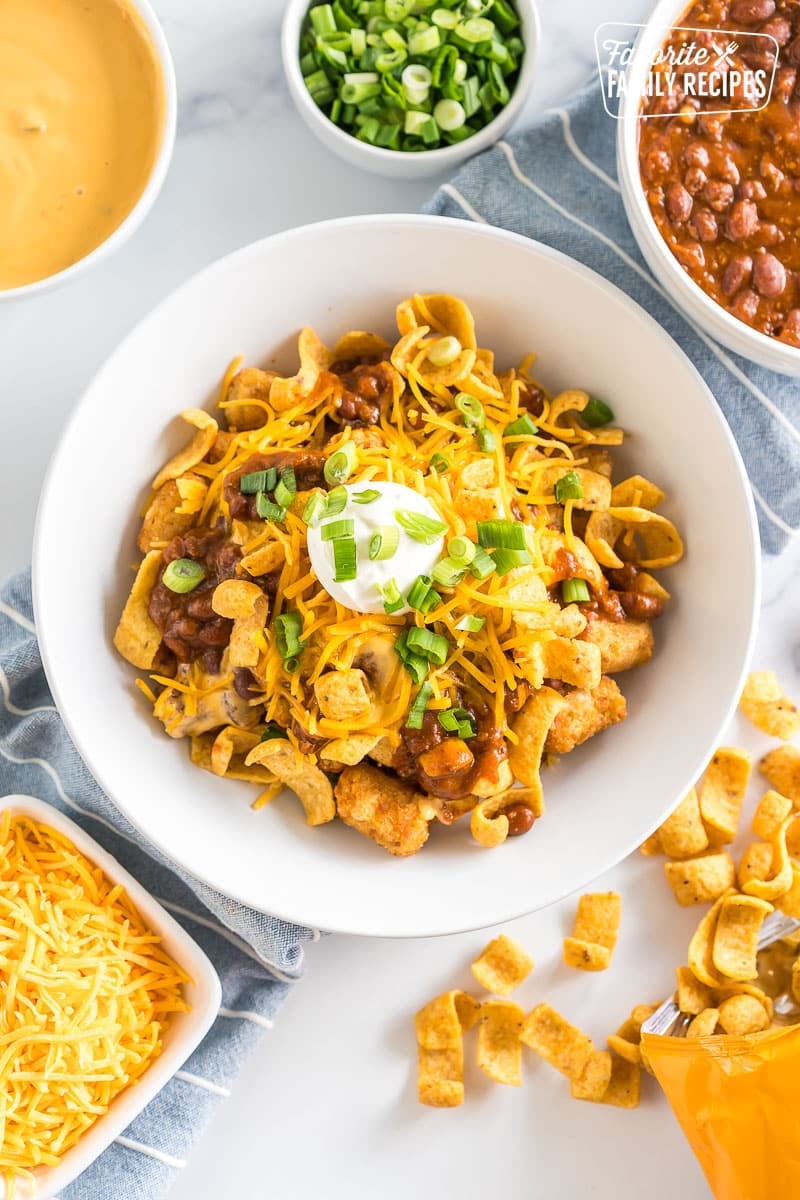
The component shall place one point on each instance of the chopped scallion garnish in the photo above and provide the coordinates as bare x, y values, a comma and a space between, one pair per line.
390, 594
433, 646
272, 732
482, 565
414, 663
341, 463
487, 442
507, 560
345, 559
458, 720
419, 526
417, 711
365, 497
471, 624
509, 535
268, 510
336, 502
444, 351
461, 551
597, 413
288, 627
568, 487
439, 464
183, 575
471, 410
575, 591
315, 509
448, 573
383, 543
418, 594
522, 427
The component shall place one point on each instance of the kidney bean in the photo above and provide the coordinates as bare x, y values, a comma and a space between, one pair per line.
712, 125
678, 203
745, 306
769, 275
728, 170
696, 155
768, 234
785, 80
245, 684
752, 189
719, 194
751, 11
742, 220
793, 53
640, 607
771, 172
690, 255
520, 820
791, 328
704, 224
737, 274
657, 163
778, 28
694, 179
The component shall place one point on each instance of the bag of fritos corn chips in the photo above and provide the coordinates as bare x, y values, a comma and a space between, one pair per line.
735, 1095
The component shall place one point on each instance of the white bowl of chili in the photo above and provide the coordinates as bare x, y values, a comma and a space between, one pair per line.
604, 797
366, 150
709, 230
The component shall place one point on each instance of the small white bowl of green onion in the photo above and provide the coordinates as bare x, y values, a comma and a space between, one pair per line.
409, 88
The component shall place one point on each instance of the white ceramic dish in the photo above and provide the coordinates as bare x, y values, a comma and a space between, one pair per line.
602, 799
185, 1032
154, 184
688, 296
399, 164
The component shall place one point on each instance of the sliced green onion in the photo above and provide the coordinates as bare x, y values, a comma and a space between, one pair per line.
439, 464
476, 29
523, 427
461, 551
322, 19
469, 96
336, 501
345, 559
568, 487
471, 410
268, 510
471, 624
417, 710
445, 350
431, 601
341, 464
365, 497
445, 18
343, 528
449, 115
283, 495
459, 71
507, 560
487, 442
357, 93
256, 481
575, 591
288, 627
482, 565
424, 39
398, 10
433, 646
507, 534
358, 42
448, 720
418, 592
183, 575
383, 543
390, 594
448, 573
272, 732
466, 729
394, 39
597, 413
357, 77
419, 526
416, 76
315, 509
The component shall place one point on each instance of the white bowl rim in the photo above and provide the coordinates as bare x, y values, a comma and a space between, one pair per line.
190, 956
320, 919
442, 156
663, 17
155, 181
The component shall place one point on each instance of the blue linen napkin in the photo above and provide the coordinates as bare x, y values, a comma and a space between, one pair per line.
557, 183
257, 957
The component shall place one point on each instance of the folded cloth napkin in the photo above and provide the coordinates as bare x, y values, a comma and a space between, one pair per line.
557, 183
257, 957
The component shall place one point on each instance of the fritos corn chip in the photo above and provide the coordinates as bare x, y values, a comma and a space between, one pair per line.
652, 845
556, 1041
138, 637
766, 704
780, 880
683, 833
704, 1024
722, 792
701, 961
502, 965
313, 788
439, 1027
736, 936
595, 932
698, 880
626, 1042
773, 810
755, 863
624, 1087
592, 1083
781, 767
692, 995
741, 1015
796, 980
789, 902
499, 1047
195, 451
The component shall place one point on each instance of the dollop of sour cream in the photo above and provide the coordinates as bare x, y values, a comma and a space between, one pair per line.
412, 558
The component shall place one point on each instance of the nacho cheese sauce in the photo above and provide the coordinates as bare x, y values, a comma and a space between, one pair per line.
81, 119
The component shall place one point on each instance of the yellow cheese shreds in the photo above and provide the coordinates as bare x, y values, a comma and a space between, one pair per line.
86, 993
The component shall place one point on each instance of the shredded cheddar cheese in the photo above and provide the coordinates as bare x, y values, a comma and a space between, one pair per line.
86, 993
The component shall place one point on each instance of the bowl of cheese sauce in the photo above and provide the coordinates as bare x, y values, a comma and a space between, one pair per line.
87, 126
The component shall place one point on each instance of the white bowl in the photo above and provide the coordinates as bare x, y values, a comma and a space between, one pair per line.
403, 164
602, 799
153, 186
183, 1035
688, 296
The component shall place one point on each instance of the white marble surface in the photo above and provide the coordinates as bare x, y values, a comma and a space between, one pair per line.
326, 1107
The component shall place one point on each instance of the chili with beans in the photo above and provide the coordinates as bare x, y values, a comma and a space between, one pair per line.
724, 188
